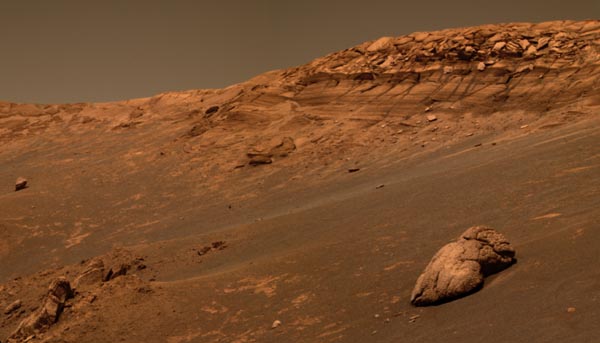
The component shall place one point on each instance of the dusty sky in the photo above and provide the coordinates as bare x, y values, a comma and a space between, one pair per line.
76, 51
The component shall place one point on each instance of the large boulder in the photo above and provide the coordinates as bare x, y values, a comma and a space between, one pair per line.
459, 268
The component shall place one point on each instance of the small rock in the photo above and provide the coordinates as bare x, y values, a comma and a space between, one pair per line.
481, 66
380, 186
380, 44
524, 43
20, 184
276, 324
13, 307
414, 318
542, 43
524, 126
203, 251
258, 159
116, 272
431, 117
284, 148
571, 310
498, 46
353, 170
211, 110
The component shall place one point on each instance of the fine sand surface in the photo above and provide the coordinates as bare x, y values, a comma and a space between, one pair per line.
441, 131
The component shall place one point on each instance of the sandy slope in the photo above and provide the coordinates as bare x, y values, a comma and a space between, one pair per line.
511, 141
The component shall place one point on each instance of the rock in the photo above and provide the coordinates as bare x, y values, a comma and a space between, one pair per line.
498, 46
198, 130
431, 117
20, 184
59, 292
284, 148
513, 47
542, 43
276, 324
530, 52
459, 268
380, 44
481, 66
420, 36
353, 170
524, 43
116, 272
92, 275
258, 159
13, 306
211, 110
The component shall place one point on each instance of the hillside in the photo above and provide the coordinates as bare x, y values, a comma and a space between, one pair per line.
316, 195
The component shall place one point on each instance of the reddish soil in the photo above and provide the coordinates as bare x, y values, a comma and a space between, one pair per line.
236, 207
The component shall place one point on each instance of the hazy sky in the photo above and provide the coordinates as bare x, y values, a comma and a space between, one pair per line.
74, 51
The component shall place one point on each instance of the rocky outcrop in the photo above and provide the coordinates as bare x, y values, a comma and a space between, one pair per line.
59, 292
459, 268
92, 275
283, 149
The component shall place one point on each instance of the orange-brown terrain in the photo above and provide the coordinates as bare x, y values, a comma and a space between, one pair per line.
302, 205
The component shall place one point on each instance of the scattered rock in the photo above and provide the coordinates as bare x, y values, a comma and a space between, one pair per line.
459, 268
20, 184
198, 130
481, 66
276, 324
218, 245
431, 117
284, 148
211, 110
258, 159
13, 306
116, 272
59, 292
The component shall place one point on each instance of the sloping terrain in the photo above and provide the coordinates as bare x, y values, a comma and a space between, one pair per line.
316, 195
